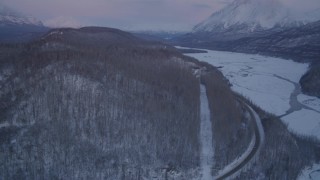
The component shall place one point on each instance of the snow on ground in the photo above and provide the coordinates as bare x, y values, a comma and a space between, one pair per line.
306, 122
310, 173
257, 78
310, 101
253, 77
206, 156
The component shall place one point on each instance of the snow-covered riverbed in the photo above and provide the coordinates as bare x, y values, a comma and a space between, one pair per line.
272, 84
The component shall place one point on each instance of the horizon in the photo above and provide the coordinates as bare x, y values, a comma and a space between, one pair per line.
131, 15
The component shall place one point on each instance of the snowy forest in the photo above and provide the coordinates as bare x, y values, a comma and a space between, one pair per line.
99, 103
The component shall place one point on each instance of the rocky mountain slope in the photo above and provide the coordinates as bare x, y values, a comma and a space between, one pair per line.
246, 16
243, 17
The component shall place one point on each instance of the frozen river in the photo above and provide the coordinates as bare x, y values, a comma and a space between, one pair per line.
272, 84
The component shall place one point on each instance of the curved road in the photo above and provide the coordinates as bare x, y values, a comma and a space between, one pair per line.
259, 134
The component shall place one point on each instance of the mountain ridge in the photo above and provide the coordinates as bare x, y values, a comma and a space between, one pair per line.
238, 28
12, 17
248, 16
15, 27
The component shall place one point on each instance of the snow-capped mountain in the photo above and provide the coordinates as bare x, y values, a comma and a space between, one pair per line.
11, 17
16, 27
253, 15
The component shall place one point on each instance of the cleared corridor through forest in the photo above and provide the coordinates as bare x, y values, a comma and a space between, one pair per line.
207, 152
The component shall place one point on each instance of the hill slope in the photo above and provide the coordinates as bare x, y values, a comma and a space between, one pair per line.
100, 103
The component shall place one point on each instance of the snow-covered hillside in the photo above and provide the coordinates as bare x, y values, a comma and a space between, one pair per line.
253, 15
9, 16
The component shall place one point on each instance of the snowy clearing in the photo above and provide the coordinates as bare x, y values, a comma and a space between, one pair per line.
271, 83
206, 156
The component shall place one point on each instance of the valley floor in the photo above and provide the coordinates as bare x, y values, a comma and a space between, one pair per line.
272, 84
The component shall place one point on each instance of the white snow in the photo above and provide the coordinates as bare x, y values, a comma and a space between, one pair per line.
310, 173
255, 77
305, 122
206, 156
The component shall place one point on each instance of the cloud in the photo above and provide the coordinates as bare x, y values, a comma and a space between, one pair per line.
61, 21
201, 6
302, 5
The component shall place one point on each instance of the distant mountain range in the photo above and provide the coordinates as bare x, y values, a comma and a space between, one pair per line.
16, 27
262, 27
9, 16
251, 16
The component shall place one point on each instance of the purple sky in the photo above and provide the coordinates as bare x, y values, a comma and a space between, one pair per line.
131, 14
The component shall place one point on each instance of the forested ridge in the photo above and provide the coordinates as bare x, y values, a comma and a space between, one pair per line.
99, 103
96, 103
